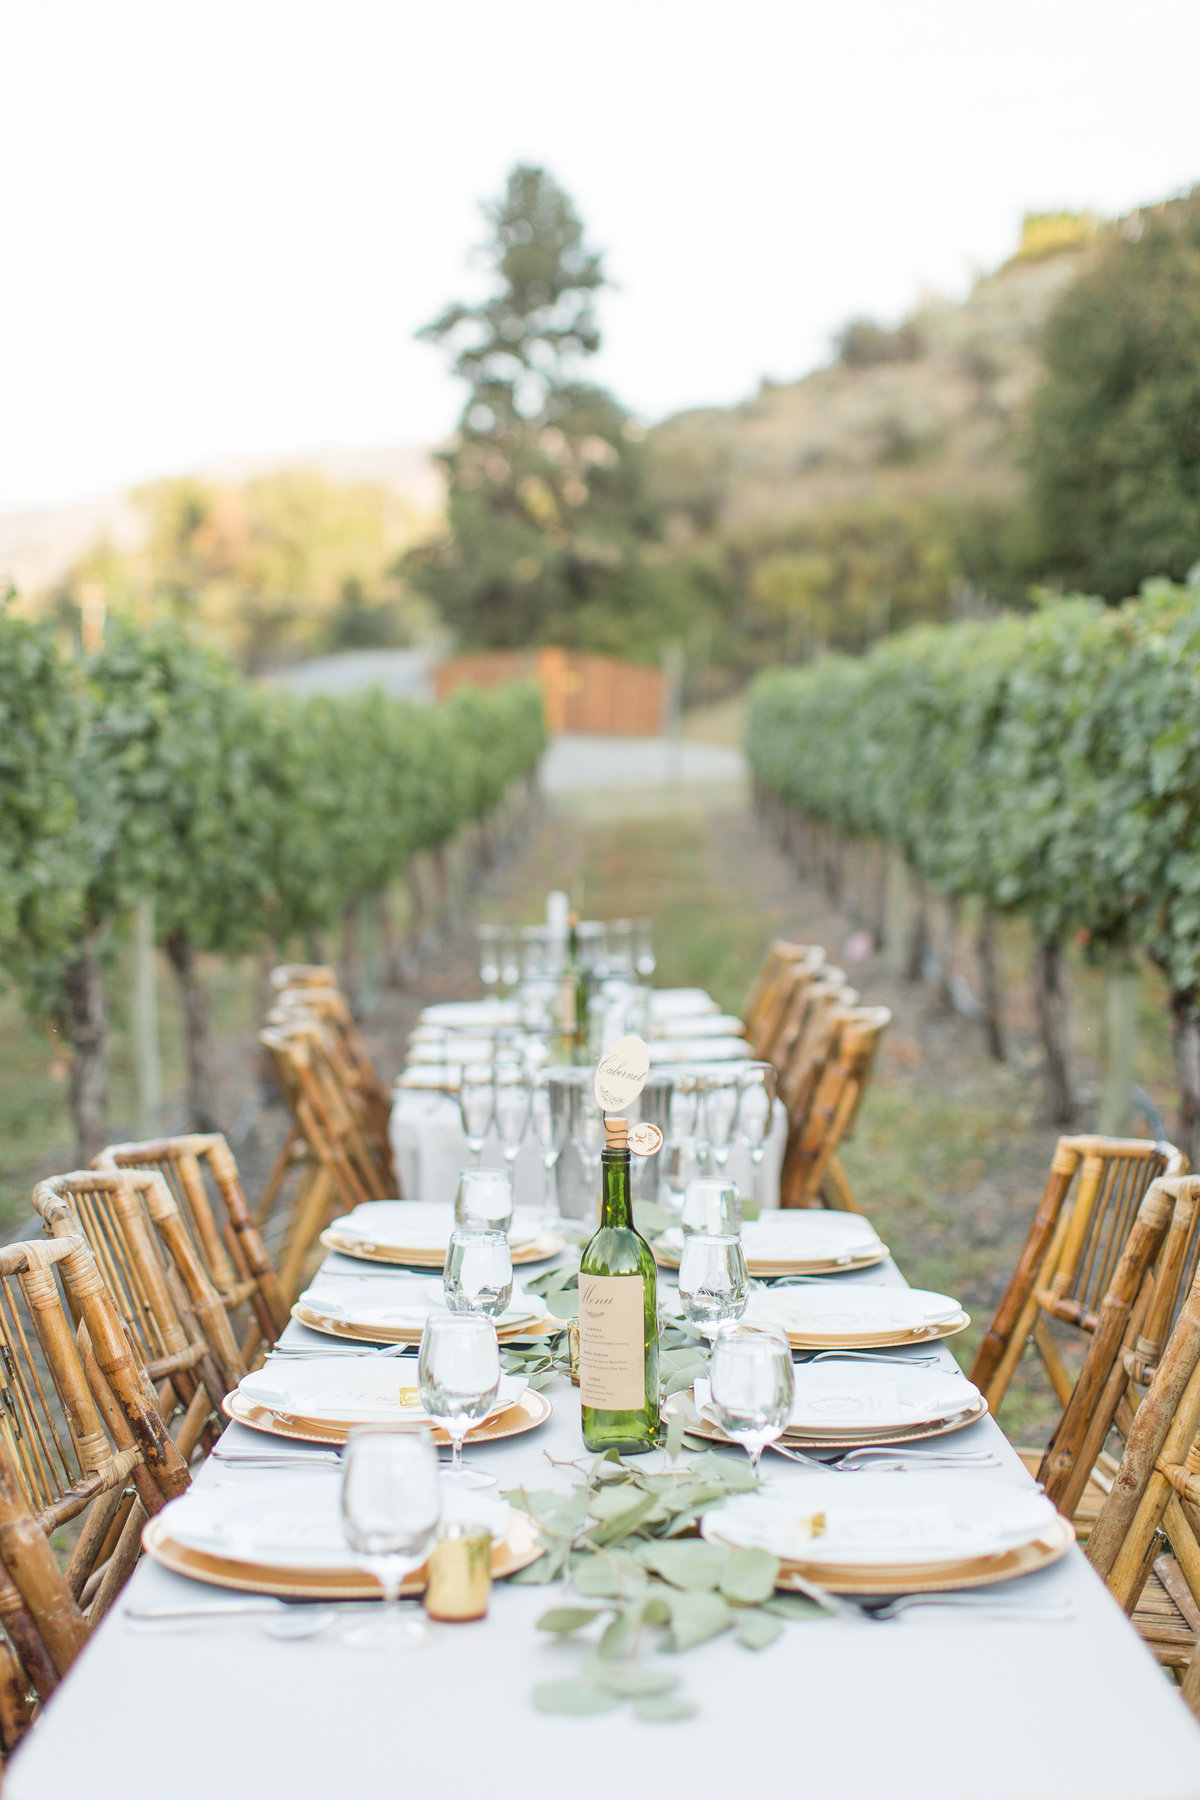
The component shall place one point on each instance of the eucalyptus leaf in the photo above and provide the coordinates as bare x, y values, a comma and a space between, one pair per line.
756, 1628
694, 1565
676, 1426
631, 1678
795, 1606
569, 1618
749, 1576
664, 1709
576, 1697
696, 1617
619, 1635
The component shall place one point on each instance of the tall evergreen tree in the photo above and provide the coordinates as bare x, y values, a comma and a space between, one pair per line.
547, 508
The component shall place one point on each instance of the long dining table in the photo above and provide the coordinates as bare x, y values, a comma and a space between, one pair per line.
936, 1702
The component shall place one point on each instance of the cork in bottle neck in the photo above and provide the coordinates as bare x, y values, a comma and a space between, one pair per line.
616, 1134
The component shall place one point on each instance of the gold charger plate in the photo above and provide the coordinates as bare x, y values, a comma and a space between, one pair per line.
925, 1334
796, 1440
525, 1414
539, 1250
764, 1271
402, 1334
516, 1550
935, 1578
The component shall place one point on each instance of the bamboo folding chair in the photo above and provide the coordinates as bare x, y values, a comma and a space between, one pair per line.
1129, 1326
339, 1167
201, 1169
1088, 1207
173, 1313
788, 968
310, 987
81, 1439
1146, 1540
813, 1032
811, 1167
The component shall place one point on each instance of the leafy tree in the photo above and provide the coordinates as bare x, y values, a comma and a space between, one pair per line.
548, 509
1114, 448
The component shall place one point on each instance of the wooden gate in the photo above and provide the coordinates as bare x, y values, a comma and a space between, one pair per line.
596, 695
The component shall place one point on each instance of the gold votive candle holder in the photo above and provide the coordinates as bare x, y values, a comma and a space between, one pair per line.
460, 1573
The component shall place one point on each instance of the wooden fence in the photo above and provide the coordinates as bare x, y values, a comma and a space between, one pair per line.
597, 695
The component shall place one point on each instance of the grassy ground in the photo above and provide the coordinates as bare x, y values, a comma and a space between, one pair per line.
949, 1156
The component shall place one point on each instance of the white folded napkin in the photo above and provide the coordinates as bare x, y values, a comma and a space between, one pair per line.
361, 1390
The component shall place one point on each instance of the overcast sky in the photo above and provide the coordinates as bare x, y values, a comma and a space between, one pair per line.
222, 220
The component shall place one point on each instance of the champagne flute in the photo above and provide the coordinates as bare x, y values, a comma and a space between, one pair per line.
550, 1126
752, 1385
721, 1098
476, 1104
755, 1113
458, 1377
478, 1276
489, 956
713, 1282
390, 1511
711, 1204
512, 1102
484, 1200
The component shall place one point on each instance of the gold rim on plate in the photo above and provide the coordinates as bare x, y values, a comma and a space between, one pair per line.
537, 1250
764, 1271
516, 1550
884, 1439
525, 1414
406, 1334
935, 1578
924, 1334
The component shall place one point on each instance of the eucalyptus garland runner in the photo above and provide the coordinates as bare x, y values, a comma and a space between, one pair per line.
641, 1586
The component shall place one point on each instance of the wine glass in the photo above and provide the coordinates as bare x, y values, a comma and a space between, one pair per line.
512, 1103
510, 959
721, 1097
484, 1200
489, 956
643, 948
476, 1103
619, 939
752, 1384
478, 1276
390, 1510
550, 1128
587, 1130
458, 1377
713, 1281
711, 1205
755, 1111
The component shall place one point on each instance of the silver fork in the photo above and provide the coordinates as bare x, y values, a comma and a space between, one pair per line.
983, 1605
876, 1356
848, 1462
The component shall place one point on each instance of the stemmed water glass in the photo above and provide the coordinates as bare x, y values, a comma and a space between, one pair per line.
476, 1104
713, 1281
510, 959
752, 1385
512, 1101
755, 1110
489, 956
643, 948
390, 1511
458, 1377
720, 1104
711, 1205
682, 1109
587, 1131
483, 1200
550, 1126
478, 1276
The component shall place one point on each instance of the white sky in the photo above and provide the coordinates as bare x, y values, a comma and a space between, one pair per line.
222, 220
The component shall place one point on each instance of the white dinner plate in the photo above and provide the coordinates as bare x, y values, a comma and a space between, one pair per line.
884, 1519
842, 1399
853, 1311
467, 1014
699, 1026
455, 1050
420, 1225
681, 1003
353, 1390
294, 1523
400, 1302
699, 1050
805, 1238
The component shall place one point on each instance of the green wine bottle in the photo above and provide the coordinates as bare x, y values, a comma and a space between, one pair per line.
618, 1317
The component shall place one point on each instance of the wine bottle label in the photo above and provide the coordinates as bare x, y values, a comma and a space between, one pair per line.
612, 1342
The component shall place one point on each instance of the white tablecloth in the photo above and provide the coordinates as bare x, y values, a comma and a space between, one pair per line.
929, 1705
430, 1152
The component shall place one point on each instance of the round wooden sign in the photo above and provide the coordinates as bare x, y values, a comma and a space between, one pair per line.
621, 1074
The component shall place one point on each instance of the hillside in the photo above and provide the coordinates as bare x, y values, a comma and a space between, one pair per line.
925, 412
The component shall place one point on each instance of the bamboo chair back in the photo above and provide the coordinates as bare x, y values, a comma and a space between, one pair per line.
1129, 1329
824, 999
173, 1313
770, 990
338, 1167
1087, 1210
202, 1174
809, 1162
81, 1439
312, 988
1155, 1500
